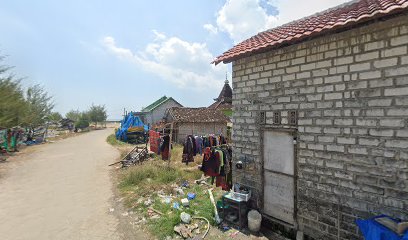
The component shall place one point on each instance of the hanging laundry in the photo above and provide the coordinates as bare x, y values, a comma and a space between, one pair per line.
217, 163
189, 149
199, 144
165, 148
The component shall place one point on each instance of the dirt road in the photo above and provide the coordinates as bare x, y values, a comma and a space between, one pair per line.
61, 190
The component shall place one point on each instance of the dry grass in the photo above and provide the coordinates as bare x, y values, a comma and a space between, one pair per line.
142, 182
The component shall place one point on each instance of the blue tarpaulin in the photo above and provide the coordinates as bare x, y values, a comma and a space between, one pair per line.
373, 230
129, 121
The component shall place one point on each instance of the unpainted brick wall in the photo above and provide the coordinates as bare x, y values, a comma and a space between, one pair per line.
185, 129
351, 93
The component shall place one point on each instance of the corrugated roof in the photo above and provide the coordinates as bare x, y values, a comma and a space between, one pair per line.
344, 15
157, 103
203, 115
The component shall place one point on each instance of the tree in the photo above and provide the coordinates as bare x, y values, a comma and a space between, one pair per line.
97, 114
83, 121
54, 117
12, 103
39, 106
74, 115
29, 109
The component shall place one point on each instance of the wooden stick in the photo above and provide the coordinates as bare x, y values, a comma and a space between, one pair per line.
129, 153
122, 158
156, 211
171, 133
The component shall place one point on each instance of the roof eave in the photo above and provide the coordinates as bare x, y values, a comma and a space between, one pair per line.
392, 11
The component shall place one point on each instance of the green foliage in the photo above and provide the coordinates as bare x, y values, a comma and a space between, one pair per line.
111, 139
145, 180
16, 108
97, 113
164, 226
159, 174
39, 106
54, 116
227, 112
12, 103
83, 121
74, 115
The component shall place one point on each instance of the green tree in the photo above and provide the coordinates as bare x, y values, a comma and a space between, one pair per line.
28, 109
97, 114
12, 103
83, 121
74, 115
54, 116
39, 106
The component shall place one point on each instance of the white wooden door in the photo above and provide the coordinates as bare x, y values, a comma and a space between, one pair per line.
279, 171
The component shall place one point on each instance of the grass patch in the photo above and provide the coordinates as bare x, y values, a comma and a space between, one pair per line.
152, 175
200, 206
111, 139
142, 182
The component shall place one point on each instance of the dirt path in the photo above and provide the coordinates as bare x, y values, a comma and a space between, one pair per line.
61, 190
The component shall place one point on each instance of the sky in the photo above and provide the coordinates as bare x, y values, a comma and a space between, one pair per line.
127, 54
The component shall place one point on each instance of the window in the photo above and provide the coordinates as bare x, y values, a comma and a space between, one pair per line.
262, 117
277, 118
292, 117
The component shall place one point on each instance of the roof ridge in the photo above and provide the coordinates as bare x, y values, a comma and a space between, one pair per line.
346, 14
314, 15
155, 104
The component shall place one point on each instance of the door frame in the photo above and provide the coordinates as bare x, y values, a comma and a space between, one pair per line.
294, 132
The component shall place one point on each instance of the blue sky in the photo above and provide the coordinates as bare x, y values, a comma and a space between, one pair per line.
127, 54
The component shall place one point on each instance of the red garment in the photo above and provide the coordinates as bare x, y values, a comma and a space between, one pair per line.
220, 182
211, 163
165, 153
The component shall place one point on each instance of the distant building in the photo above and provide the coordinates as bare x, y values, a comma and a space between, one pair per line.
156, 111
196, 121
224, 100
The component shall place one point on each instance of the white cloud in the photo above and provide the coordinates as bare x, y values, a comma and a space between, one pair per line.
211, 28
290, 10
241, 19
185, 64
159, 35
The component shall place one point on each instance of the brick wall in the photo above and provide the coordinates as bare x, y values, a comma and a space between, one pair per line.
185, 129
350, 90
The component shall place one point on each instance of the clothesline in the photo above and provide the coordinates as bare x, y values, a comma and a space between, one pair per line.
221, 145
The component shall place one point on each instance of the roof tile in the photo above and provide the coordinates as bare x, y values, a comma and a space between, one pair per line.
184, 114
345, 14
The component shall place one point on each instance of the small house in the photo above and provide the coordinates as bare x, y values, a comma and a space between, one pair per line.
320, 118
196, 121
156, 111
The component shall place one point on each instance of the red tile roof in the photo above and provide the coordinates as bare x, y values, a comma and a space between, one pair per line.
347, 14
221, 105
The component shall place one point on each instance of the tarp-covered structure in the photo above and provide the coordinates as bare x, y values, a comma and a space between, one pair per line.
130, 126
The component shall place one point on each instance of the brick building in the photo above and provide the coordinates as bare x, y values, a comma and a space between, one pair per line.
320, 114
196, 121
